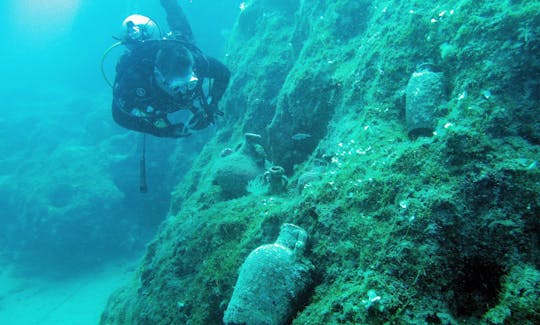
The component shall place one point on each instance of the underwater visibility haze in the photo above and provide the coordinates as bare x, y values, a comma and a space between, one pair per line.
69, 181
376, 163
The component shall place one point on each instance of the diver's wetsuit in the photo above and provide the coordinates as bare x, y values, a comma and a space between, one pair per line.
140, 105
177, 21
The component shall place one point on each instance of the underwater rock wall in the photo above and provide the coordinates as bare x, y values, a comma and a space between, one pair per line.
436, 229
69, 184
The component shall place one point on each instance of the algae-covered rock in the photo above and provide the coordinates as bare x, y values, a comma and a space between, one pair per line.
67, 204
432, 230
304, 108
519, 301
70, 198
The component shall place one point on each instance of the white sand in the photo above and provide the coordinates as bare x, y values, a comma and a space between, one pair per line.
77, 301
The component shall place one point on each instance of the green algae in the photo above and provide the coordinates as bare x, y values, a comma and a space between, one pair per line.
435, 230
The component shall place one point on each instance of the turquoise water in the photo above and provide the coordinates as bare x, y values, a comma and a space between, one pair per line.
377, 163
72, 217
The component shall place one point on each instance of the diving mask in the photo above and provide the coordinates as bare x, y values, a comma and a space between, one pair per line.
174, 85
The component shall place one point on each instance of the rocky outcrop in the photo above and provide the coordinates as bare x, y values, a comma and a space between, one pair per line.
402, 230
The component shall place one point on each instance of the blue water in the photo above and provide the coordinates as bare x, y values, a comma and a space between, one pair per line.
69, 177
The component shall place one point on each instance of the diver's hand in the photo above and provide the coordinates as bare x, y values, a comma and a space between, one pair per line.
179, 131
199, 120
211, 111
215, 110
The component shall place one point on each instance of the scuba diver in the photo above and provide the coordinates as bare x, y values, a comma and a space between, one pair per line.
166, 86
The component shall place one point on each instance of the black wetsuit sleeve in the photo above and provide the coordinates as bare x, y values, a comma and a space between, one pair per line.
177, 21
220, 74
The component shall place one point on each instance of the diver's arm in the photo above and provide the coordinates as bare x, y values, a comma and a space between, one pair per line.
177, 21
144, 124
221, 75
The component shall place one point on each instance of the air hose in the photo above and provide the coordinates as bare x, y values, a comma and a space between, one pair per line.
103, 60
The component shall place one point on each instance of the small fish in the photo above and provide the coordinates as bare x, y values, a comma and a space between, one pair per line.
300, 136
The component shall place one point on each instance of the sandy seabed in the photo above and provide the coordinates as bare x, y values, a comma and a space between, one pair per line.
75, 301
